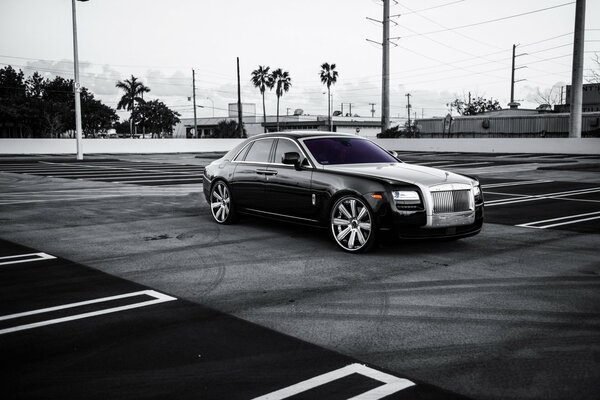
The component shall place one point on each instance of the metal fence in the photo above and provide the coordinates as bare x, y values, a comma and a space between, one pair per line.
542, 125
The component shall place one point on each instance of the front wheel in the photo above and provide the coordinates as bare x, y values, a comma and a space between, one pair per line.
352, 224
221, 205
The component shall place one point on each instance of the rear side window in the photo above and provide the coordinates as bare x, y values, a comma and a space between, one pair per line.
260, 151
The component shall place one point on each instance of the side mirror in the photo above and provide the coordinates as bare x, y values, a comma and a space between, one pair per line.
392, 152
291, 158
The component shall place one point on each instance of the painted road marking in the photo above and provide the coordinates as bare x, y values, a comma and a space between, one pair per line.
199, 179
24, 258
471, 164
432, 162
515, 183
158, 298
520, 198
392, 384
571, 219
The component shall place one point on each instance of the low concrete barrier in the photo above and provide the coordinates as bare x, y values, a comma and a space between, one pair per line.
115, 146
120, 146
512, 145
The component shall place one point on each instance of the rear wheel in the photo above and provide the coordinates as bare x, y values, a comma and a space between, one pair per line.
221, 205
352, 224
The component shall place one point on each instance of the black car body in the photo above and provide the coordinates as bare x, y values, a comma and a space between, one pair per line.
343, 182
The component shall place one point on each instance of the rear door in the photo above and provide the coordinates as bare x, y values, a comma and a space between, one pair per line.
249, 177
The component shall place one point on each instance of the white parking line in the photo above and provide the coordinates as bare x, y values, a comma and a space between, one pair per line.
520, 198
158, 298
174, 180
31, 257
432, 162
565, 221
391, 385
465, 164
515, 183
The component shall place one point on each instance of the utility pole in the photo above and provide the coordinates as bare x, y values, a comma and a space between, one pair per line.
194, 97
372, 109
408, 108
240, 124
385, 73
577, 74
77, 88
512, 103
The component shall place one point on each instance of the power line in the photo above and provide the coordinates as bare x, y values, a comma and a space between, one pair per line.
452, 29
492, 20
431, 8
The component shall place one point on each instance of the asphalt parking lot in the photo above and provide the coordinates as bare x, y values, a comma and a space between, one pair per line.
176, 306
73, 332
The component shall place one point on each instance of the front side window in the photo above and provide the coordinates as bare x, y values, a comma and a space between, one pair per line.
260, 150
341, 150
285, 146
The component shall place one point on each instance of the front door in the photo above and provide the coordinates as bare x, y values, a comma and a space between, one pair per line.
289, 190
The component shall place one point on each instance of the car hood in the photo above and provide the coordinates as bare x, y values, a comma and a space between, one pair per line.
403, 172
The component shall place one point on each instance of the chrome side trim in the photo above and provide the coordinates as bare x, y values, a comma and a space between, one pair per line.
280, 215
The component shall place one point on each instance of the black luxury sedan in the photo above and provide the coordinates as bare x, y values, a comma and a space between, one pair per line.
345, 183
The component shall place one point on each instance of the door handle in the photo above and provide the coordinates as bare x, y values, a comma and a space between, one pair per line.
266, 172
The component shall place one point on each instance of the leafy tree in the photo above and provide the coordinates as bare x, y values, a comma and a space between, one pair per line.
282, 83
122, 128
262, 79
12, 83
157, 117
477, 105
97, 117
133, 93
13, 102
228, 129
328, 76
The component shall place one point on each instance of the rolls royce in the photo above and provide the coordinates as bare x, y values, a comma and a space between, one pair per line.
345, 183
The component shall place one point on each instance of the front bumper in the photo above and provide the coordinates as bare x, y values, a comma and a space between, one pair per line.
458, 225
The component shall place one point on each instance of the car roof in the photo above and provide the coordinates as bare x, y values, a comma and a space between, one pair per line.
303, 134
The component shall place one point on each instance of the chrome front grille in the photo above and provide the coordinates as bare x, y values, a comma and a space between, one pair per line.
450, 201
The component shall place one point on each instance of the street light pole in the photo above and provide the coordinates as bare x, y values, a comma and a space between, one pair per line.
77, 87
213, 106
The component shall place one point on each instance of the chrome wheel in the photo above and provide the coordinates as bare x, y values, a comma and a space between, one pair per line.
220, 203
352, 224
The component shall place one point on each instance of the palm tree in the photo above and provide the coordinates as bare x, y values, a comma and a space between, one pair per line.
328, 77
134, 93
282, 83
262, 79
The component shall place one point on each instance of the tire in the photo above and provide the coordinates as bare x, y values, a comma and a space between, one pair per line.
352, 224
221, 204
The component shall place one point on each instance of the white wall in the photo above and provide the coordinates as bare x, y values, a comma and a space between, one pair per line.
114, 146
94, 146
492, 145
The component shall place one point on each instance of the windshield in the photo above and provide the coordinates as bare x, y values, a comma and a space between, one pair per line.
342, 150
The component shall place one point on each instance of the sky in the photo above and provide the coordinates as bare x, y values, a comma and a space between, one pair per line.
444, 49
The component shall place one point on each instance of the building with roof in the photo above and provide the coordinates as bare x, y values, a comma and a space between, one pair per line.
253, 124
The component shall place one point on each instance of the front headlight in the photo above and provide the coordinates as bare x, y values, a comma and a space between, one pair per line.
406, 196
477, 194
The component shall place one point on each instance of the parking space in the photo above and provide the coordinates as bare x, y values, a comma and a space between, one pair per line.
460, 161
543, 204
116, 171
71, 332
